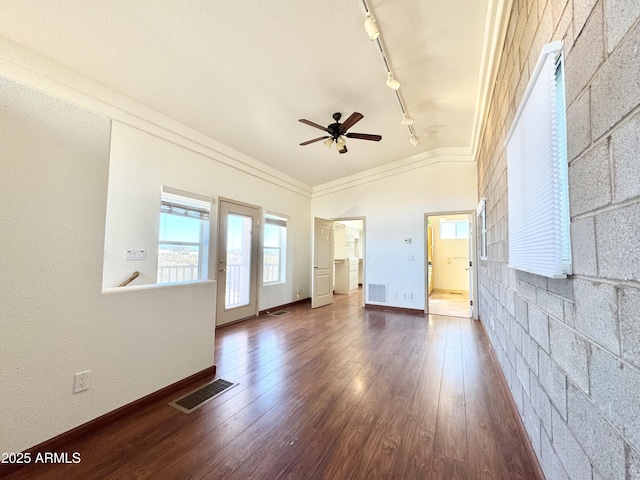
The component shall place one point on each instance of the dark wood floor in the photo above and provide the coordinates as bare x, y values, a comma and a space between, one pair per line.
340, 392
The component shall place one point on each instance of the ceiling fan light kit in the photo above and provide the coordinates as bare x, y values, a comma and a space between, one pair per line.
337, 131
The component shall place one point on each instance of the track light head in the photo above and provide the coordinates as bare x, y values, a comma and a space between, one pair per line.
406, 120
414, 141
392, 82
371, 27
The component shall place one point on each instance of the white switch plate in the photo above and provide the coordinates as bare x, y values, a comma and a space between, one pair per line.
135, 254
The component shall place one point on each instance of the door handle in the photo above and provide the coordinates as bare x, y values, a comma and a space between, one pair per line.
315, 266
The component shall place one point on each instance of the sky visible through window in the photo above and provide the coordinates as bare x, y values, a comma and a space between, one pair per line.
174, 228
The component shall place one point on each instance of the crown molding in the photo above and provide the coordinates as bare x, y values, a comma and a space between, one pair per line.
438, 155
498, 12
47, 76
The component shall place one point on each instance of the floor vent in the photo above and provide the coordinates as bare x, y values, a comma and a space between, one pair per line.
377, 293
279, 313
194, 400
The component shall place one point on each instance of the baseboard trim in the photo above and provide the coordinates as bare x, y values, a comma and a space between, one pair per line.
280, 307
519, 421
393, 309
57, 443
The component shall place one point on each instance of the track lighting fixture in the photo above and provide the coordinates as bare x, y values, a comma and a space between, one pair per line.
371, 27
406, 120
373, 31
392, 82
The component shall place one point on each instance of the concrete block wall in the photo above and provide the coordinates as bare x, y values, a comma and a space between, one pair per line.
570, 348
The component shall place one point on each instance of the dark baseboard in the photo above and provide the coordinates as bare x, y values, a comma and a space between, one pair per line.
394, 309
280, 307
58, 442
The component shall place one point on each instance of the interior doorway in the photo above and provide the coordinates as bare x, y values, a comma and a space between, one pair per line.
338, 259
449, 274
349, 257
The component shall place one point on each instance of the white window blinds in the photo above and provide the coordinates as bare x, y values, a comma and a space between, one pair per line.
537, 173
175, 202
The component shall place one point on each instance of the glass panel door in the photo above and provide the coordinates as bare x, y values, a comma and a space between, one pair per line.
238, 274
237, 262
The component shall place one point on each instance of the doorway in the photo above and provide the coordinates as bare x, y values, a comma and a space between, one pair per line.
338, 259
449, 272
238, 235
349, 242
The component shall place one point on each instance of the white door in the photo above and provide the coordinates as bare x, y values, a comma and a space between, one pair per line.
322, 288
237, 265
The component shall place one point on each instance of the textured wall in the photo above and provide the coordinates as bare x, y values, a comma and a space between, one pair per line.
570, 349
54, 318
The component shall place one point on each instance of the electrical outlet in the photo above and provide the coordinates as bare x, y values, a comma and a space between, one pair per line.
81, 381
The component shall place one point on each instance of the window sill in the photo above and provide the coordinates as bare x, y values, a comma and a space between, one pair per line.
155, 286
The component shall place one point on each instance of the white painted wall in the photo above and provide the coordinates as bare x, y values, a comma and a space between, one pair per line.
55, 319
394, 207
142, 163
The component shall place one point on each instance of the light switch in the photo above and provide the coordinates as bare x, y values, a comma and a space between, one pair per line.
135, 255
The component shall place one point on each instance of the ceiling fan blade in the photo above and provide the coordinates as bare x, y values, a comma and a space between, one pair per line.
354, 118
364, 136
312, 124
343, 150
315, 140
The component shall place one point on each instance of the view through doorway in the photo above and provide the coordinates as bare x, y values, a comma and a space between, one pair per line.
449, 264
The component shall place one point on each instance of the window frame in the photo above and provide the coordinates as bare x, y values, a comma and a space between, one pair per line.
282, 221
455, 222
195, 207
537, 173
481, 214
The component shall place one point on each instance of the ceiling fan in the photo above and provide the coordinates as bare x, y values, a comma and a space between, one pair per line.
337, 131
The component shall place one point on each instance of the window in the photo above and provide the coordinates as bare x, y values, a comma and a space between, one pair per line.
537, 173
481, 212
275, 250
183, 240
454, 229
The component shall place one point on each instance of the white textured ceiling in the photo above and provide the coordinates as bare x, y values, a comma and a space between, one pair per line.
244, 72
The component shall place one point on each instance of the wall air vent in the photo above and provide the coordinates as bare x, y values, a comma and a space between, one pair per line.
377, 293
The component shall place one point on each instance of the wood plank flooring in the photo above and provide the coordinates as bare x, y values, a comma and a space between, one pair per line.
339, 392
443, 302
